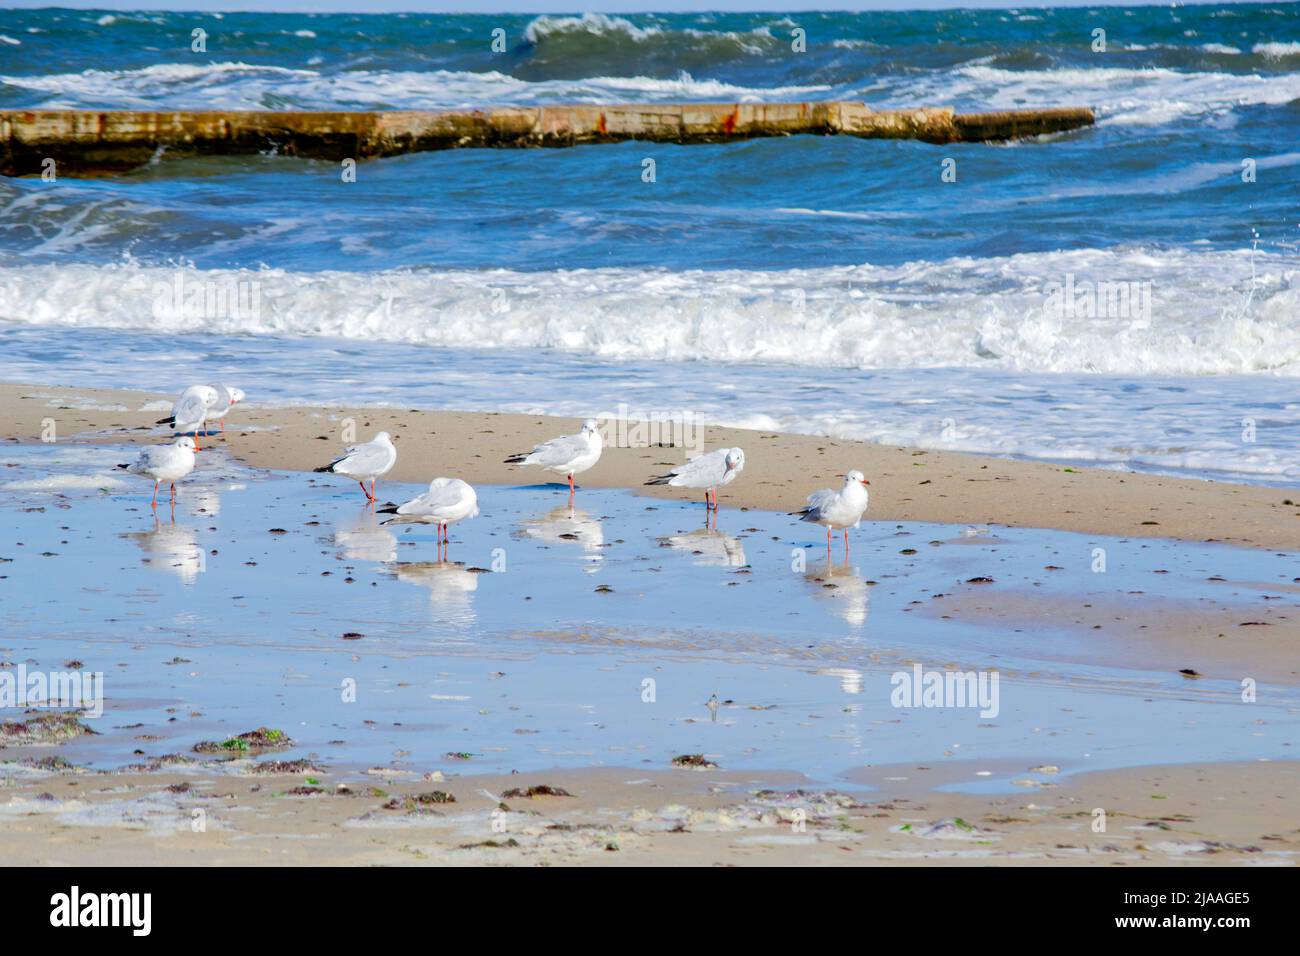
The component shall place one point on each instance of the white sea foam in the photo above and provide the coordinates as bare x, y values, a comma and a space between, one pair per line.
236, 85
1276, 51
962, 312
1121, 96
594, 23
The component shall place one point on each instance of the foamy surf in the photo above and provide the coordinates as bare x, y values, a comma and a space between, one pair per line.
1140, 312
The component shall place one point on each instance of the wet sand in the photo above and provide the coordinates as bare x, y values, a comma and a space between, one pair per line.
1217, 815
239, 610
781, 470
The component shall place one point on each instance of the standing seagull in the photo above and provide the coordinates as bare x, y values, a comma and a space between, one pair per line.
191, 411
372, 460
709, 472
570, 455
162, 463
227, 397
838, 509
447, 500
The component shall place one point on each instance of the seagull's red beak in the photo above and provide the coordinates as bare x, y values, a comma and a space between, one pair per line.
865, 482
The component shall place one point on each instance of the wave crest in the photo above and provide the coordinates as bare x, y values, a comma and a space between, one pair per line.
979, 313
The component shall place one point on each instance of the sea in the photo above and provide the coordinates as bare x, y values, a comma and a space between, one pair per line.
1124, 296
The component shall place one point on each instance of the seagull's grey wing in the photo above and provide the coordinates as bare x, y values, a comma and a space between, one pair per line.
445, 496
364, 459
151, 457
190, 408
818, 501
558, 451
704, 469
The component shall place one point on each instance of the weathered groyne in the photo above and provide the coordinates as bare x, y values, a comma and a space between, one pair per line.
97, 143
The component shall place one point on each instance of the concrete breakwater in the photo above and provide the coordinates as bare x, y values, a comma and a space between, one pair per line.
105, 143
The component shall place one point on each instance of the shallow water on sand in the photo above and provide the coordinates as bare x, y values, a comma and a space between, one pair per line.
587, 636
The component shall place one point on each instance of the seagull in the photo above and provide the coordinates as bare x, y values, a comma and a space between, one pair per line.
164, 463
838, 509
191, 411
369, 460
570, 455
709, 472
227, 397
448, 500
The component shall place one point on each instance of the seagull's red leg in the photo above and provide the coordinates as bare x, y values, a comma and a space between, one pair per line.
223, 426
363, 488
173, 492
846, 544
372, 489
570, 484
154, 503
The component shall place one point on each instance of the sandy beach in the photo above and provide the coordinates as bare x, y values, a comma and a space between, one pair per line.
1220, 815
1203, 597
907, 484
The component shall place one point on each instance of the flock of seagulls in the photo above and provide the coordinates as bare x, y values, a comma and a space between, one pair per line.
449, 500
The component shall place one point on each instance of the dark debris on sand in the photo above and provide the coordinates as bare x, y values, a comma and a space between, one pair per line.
694, 761
419, 802
42, 729
263, 738
543, 790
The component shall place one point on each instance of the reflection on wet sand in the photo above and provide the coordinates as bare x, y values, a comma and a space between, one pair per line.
842, 584
451, 587
567, 524
172, 547
850, 678
203, 500
364, 539
709, 547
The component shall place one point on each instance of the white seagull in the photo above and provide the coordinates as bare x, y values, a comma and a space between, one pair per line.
570, 455
227, 397
191, 410
369, 460
168, 463
448, 500
838, 509
709, 472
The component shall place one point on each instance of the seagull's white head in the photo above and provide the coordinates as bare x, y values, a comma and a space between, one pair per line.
589, 427
735, 459
856, 476
185, 441
236, 394
383, 436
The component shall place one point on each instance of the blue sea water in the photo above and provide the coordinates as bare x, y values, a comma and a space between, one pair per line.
826, 285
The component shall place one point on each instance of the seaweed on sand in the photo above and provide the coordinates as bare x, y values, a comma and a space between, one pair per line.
542, 790
255, 741
694, 762
42, 729
419, 802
